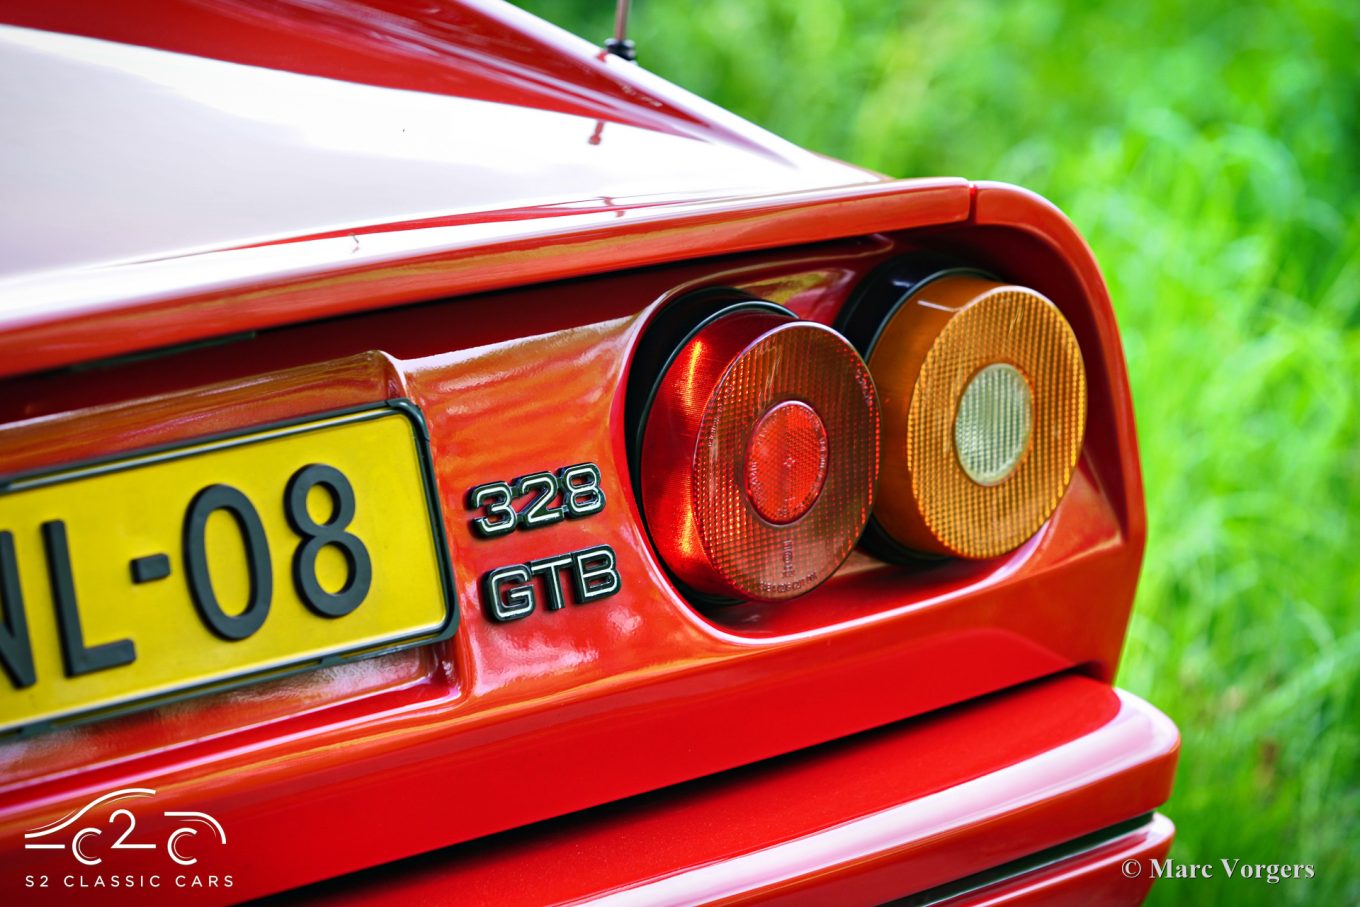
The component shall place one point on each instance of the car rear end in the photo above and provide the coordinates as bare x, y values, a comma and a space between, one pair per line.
394, 544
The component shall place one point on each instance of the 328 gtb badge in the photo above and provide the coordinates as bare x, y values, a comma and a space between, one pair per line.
573, 492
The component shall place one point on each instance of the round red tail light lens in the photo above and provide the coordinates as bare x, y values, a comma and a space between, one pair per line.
759, 456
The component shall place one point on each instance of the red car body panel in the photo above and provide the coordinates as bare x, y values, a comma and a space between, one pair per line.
275, 132
534, 292
910, 807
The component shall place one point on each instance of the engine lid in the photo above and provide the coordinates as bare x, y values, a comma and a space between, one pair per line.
185, 127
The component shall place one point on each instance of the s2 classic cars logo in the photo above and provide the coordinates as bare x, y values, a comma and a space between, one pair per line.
93, 842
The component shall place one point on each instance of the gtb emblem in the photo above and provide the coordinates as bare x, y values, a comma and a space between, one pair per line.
510, 591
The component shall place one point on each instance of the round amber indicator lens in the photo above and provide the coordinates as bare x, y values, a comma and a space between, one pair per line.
786, 462
984, 392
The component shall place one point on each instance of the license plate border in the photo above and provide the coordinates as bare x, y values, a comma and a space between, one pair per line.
189, 447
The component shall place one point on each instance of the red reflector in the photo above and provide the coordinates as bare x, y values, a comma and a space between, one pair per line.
759, 457
786, 462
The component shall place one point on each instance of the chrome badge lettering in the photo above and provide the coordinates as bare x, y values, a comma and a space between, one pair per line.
512, 592
515, 591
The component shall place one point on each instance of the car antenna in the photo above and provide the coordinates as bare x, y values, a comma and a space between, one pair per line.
619, 45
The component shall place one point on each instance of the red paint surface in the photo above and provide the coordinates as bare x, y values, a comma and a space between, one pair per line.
1094, 878
52, 320
508, 725
861, 821
511, 724
488, 51
224, 124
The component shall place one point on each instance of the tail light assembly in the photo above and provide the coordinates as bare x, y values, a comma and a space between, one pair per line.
983, 392
942, 417
757, 454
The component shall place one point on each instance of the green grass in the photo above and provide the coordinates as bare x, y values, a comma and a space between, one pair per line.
1210, 153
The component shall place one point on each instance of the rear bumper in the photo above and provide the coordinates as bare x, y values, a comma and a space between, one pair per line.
943, 807
1110, 872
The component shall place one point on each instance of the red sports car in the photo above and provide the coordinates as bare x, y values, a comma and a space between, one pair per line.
441, 462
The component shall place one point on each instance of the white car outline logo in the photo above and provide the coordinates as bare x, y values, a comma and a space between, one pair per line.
122, 843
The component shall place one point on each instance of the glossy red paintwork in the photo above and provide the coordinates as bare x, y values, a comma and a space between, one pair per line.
55, 319
519, 360
559, 695
860, 821
478, 50
347, 120
1095, 877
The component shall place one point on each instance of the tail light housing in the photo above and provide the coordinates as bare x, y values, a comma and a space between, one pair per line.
983, 392
757, 454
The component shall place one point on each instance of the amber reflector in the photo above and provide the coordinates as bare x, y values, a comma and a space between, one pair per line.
984, 399
759, 457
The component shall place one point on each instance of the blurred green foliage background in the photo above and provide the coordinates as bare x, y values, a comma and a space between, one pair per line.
1210, 153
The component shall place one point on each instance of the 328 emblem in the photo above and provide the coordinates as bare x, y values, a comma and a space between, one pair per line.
573, 492
578, 485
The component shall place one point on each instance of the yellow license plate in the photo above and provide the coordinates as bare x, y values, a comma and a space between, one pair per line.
219, 562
